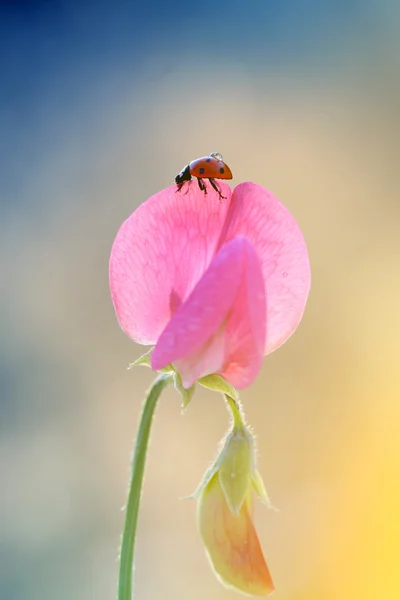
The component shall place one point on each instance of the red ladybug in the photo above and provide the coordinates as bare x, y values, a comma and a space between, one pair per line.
208, 167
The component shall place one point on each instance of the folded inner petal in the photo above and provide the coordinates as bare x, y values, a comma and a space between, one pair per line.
221, 326
194, 332
246, 327
204, 361
160, 253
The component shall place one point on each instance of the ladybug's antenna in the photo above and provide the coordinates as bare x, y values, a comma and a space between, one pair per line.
216, 155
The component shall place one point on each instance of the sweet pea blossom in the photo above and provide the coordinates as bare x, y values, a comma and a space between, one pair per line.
214, 284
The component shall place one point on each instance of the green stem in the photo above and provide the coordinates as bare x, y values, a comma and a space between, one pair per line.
132, 506
236, 412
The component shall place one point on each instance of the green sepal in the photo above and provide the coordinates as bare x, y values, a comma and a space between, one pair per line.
142, 361
145, 361
186, 393
167, 369
218, 384
209, 474
236, 465
260, 490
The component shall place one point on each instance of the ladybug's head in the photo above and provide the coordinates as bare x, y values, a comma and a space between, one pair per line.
184, 175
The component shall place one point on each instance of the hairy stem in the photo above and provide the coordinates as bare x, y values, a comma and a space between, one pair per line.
135, 488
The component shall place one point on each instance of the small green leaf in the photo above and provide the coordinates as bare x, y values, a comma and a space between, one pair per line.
218, 384
186, 393
143, 360
208, 475
260, 490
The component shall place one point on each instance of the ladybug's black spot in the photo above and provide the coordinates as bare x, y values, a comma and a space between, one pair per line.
208, 159
201, 171
222, 170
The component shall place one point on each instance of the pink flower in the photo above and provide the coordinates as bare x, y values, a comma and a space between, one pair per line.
215, 285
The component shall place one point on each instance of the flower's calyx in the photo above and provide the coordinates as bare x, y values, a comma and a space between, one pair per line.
186, 393
145, 361
236, 465
213, 382
218, 384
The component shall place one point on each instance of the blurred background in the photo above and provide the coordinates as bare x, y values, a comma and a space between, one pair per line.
101, 104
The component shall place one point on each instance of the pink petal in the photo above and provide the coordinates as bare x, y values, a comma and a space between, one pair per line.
160, 253
221, 326
231, 542
257, 214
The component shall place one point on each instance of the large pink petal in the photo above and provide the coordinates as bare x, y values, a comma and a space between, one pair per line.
257, 214
221, 326
160, 253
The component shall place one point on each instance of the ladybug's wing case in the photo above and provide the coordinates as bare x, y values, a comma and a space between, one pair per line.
209, 168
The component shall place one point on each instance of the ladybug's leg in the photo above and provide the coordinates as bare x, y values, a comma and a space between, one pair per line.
202, 186
216, 189
180, 186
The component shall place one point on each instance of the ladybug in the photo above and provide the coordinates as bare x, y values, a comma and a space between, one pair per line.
208, 167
